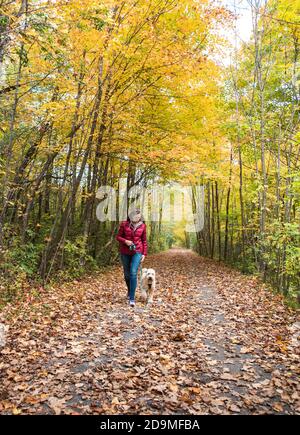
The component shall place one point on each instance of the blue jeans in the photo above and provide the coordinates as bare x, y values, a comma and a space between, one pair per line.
130, 265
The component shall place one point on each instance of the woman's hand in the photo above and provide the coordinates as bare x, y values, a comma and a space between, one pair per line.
128, 242
143, 258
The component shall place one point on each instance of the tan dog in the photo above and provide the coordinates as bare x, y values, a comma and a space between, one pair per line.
147, 284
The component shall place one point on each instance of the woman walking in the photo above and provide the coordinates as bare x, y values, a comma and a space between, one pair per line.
133, 249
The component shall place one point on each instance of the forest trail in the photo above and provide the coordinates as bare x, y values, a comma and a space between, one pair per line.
213, 342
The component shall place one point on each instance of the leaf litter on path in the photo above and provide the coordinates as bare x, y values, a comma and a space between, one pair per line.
213, 342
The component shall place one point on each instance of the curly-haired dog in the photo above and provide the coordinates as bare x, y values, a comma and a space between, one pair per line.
147, 284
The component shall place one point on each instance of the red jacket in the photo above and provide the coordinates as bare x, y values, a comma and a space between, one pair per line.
138, 237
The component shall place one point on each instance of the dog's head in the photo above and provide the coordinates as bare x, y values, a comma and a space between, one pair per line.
149, 274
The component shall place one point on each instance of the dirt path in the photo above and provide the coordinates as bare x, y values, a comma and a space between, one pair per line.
213, 342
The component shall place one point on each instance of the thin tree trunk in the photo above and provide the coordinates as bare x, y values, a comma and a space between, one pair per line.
227, 208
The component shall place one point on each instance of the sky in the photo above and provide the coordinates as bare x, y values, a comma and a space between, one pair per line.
243, 25
244, 21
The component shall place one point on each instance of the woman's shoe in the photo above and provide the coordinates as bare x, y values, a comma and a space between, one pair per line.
132, 303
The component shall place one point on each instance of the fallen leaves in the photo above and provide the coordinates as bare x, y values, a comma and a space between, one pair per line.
56, 404
178, 337
228, 377
245, 350
213, 342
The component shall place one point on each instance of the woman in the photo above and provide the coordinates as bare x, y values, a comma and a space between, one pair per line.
133, 249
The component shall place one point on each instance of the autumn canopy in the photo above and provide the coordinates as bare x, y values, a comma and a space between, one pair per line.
148, 91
